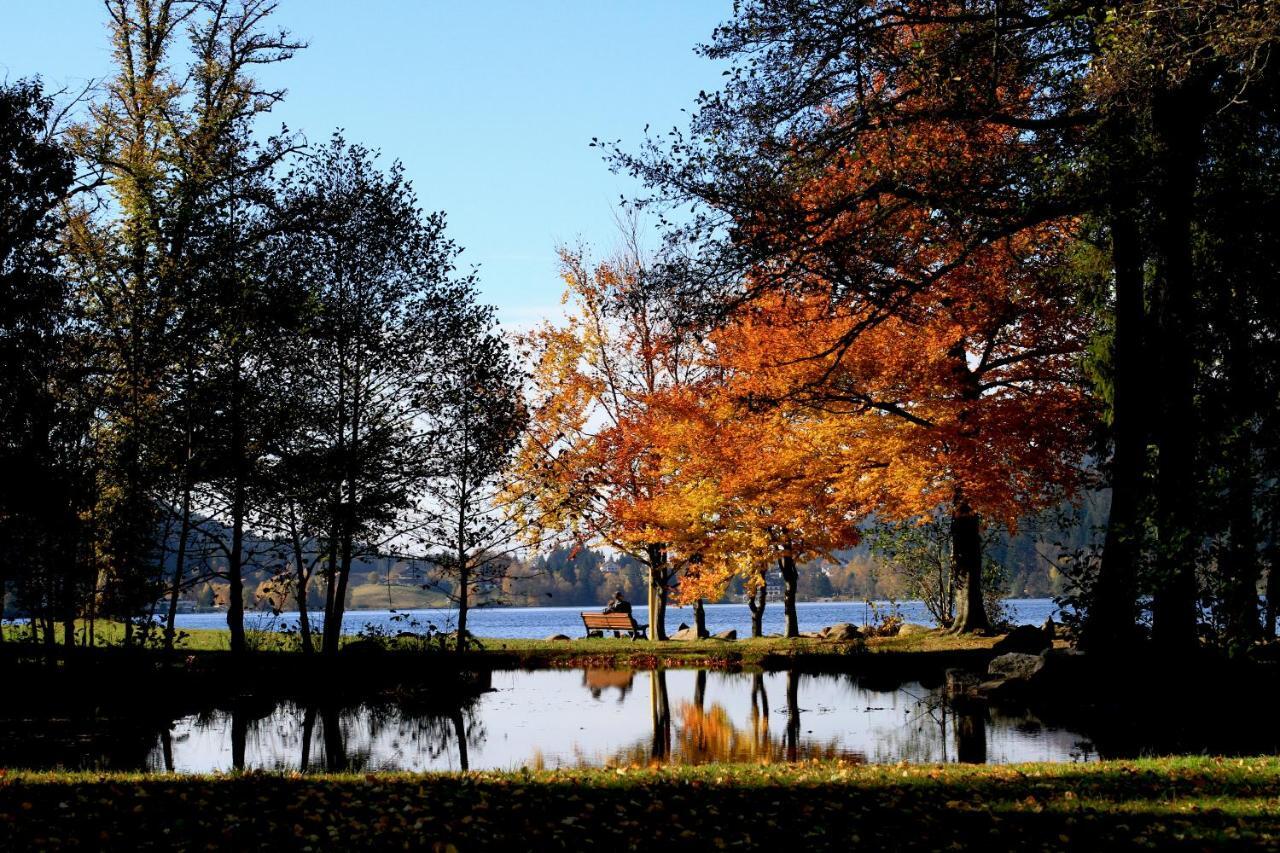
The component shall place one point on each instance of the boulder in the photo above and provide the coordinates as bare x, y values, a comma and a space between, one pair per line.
1024, 639
682, 627
685, 633
559, 638
1016, 666
842, 632
1047, 629
731, 634
909, 629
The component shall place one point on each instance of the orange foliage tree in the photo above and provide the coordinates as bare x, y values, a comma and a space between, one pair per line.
745, 489
586, 472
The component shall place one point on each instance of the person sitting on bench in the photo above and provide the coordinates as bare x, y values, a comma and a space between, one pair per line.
618, 604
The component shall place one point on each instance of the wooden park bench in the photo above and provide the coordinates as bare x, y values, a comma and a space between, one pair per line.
614, 622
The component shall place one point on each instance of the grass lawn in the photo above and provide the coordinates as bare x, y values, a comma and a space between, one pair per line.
608, 651
1191, 804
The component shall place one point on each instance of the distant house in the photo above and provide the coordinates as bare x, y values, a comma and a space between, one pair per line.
773, 585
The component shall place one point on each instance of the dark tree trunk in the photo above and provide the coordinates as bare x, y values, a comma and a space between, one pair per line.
659, 580
179, 569
1273, 568
239, 500
1113, 613
300, 593
700, 689
331, 583
1239, 564
464, 580
755, 603
1176, 120
790, 579
235, 573
1273, 591
966, 559
700, 619
333, 628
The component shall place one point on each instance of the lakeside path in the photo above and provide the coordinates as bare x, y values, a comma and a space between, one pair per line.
1179, 803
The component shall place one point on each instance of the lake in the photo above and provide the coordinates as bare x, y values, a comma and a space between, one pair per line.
542, 622
570, 718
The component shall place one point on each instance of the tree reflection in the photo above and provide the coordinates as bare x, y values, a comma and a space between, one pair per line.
971, 735
598, 680
660, 711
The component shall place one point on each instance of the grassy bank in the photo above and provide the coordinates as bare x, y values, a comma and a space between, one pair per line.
1191, 804
609, 651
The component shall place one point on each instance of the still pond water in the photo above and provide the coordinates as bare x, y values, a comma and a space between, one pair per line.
541, 622
592, 718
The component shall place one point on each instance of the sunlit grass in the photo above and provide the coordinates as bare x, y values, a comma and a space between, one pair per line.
1196, 803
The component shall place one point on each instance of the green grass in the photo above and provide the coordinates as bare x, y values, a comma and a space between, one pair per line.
607, 651
1192, 804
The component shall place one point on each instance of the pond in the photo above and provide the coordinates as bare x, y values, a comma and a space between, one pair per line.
584, 718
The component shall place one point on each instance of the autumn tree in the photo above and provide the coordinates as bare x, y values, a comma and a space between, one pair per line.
581, 465
743, 490
1109, 112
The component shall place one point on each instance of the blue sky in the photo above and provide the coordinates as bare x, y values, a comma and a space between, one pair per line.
490, 104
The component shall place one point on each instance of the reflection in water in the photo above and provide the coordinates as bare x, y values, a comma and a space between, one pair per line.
971, 736
660, 715
565, 718
599, 680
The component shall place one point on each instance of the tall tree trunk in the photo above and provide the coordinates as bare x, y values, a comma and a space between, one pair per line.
1273, 591
301, 578
239, 500
464, 581
756, 600
331, 583
1273, 567
659, 576
235, 572
333, 632
700, 620
1113, 614
179, 569
790, 580
1239, 564
1176, 120
966, 558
